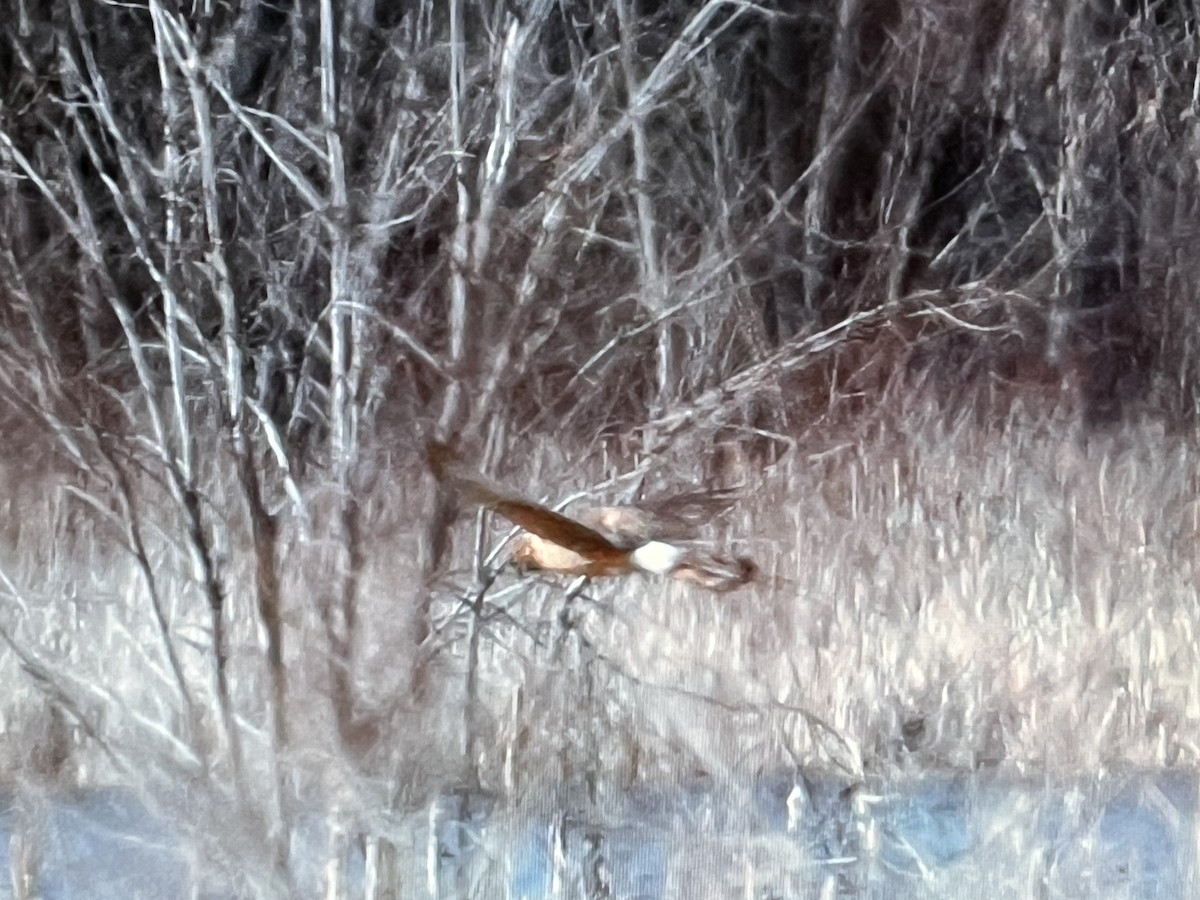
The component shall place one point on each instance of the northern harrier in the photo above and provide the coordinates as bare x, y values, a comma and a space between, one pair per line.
607, 540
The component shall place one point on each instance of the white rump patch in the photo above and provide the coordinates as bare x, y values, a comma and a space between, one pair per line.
656, 557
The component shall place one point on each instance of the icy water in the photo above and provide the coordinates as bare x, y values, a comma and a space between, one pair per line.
1122, 835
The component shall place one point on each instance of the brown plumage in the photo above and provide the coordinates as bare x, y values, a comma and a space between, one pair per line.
604, 541
591, 552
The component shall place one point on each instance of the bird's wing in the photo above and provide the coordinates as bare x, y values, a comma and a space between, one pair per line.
673, 519
533, 517
690, 510
625, 526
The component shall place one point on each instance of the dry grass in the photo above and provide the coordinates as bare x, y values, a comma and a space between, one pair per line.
1028, 592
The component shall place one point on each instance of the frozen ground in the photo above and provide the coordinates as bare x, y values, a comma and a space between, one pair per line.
1126, 835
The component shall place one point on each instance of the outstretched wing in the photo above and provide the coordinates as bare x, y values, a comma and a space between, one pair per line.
676, 518
533, 517
692, 509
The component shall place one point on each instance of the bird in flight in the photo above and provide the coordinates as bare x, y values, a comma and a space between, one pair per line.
604, 541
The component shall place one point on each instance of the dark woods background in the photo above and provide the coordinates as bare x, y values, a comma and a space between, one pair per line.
563, 207
256, 253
